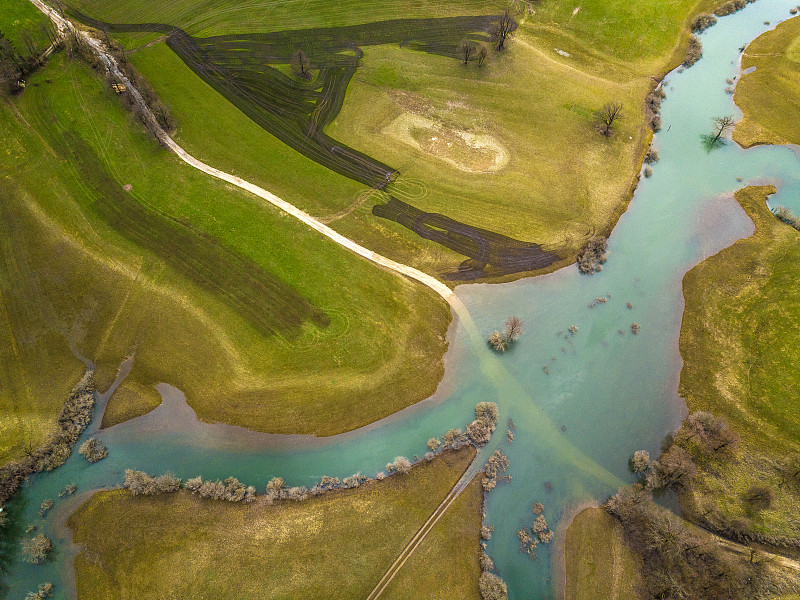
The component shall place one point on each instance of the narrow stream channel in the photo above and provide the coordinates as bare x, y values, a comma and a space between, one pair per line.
582, 402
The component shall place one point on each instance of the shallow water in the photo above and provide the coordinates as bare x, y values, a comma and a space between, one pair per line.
607, 393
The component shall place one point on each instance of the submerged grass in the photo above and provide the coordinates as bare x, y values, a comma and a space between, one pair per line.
337, 545
769, 95
90, 206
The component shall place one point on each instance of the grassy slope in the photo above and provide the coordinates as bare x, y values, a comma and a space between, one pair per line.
104, 294
539, 104
131, 399
768, 96
337, 545
738, 342
599, 564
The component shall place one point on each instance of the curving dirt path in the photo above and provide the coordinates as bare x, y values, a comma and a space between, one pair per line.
437, 286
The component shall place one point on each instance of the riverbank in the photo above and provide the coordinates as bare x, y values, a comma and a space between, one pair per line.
768, 94
335, 545
740, 324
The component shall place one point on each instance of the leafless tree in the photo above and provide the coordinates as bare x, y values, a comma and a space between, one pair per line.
513, 329
722, 125
503, 29
608, 116
301, 65
467, 50
483, 53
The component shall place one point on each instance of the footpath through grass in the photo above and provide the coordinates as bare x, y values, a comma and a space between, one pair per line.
599, 563
739, 345
337, 545
770, 96
92, 214
540, 172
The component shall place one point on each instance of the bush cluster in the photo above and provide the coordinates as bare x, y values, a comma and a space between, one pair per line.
694, 52
731, 7
679, 564
140, 483
492, 587
36, 549
652, 105
93, 450
44, 592
703, 22
787, 216
594, 256
481, 429
230, 490
495, 466
73, 419
45, 506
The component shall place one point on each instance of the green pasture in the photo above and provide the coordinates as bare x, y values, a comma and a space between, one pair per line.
86, 263
768, 96
17, 16
738, 342
563, 181
337, 545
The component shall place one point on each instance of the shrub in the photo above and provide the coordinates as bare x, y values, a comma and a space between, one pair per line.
492, 587
297, 493
487, 411
45, 591
36, 549
93, 450
759, 497
479, 432
451, 436
354, 480
787, 216
433, 444
46, 505
651, 156
275, 489
487, 564
538, 508
497, 342
140, 483
640, 462
486, 532
694, 52
730, 7
703, 22
401, 464
68, 490
593, 257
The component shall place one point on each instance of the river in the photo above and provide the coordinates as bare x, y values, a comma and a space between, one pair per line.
582, 402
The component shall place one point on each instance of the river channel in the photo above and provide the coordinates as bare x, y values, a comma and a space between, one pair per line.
582, 402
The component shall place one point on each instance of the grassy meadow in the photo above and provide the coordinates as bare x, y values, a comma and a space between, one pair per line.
337, 545
599, 564
738, 342
113, 246
562, 181
768, 96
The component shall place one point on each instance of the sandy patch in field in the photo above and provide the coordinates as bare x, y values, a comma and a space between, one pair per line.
466, 151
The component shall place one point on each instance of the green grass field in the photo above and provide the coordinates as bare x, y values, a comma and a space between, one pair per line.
599, 564
17, 16
562, 181
333, 546
768, 96
740, 325
78, 269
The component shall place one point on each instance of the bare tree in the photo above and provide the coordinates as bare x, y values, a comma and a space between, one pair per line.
467, 50
503, 29
722, 125
483, 53
301, 65
513, 329
607, 116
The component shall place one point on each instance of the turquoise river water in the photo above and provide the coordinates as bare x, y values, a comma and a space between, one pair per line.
604, 393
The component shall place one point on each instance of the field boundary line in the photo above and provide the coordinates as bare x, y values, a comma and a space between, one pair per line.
431, 282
